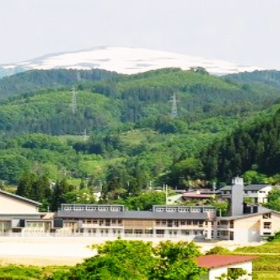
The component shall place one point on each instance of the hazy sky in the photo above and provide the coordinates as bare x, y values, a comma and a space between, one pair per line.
246, 32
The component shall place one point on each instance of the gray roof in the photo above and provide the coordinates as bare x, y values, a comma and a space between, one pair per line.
261, 210
226, 188
149, 215
27, 200
256, 187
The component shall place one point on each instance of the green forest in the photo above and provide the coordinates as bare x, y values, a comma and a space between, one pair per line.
82, 130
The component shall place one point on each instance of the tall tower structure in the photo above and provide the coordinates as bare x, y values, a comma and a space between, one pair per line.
73, 104
174, 110
236, 199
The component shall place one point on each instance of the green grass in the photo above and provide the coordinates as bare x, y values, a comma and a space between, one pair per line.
267, 265
21, 272
266, 275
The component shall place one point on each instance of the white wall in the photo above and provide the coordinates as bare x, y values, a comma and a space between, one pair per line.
216, 272
15, 206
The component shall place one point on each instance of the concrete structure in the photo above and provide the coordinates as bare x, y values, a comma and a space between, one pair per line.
112, 220
218, 265
252, 227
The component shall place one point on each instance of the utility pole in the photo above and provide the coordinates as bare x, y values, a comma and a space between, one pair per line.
165, 188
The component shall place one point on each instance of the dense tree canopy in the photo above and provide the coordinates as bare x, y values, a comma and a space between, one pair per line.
126, 260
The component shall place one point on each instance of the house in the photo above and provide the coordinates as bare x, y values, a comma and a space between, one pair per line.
218, 265
18, 214
11, 203
197, 196
256, 192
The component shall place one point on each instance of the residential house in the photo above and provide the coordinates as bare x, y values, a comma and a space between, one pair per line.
256, 192
218, 265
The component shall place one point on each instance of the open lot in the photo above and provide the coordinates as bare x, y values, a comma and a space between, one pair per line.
44, 251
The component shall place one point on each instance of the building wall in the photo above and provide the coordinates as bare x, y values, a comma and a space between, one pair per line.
216, 272
247, 229
259, 196
13, 205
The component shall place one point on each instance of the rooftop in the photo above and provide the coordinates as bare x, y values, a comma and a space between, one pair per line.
30, 201
139, 215
214, 261
255, 187
197, 195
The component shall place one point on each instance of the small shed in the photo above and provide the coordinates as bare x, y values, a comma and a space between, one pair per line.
218, 265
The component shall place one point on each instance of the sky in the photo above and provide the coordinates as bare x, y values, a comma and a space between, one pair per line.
246, 32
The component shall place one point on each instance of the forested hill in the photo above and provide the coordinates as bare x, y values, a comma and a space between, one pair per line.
118, 129
106, 101
266, 77
35, 80
254, 149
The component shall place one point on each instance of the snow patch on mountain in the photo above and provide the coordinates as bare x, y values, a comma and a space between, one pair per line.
128, 61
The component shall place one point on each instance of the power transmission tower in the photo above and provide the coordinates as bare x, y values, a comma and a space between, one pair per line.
78, 76
85, 135
73, 104
174, 110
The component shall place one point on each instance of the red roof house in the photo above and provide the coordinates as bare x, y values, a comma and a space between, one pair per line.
217, 265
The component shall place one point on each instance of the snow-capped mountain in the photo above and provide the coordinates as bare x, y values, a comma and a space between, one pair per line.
126, 61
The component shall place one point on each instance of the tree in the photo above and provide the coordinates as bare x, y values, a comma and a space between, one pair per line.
274, 200
176, 261
218, 250
144, 201
137, 260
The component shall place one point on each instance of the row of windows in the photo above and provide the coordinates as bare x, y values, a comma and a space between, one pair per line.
171, 223
93, 208
184, 210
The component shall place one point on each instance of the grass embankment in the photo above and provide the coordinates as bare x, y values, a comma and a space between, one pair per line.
267, 266
20, 272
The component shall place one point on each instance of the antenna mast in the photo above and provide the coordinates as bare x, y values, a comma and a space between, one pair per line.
174, 110
73, 104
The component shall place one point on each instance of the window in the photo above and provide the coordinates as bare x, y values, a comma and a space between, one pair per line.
267, 233
267, 216
267, 225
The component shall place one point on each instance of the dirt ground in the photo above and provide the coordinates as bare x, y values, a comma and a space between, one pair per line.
43, 251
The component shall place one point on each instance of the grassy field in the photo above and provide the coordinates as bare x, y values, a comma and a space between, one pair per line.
267, 266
